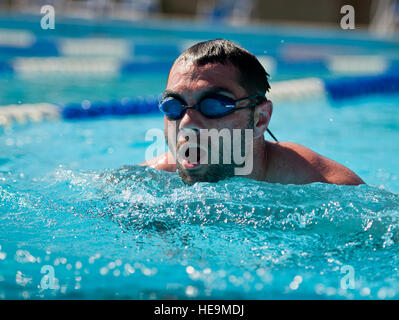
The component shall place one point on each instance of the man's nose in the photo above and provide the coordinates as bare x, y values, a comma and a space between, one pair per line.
192, 119
188, 133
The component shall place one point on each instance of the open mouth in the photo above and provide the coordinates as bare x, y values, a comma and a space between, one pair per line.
192, 156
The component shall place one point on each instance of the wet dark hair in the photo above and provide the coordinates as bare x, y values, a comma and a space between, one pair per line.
252, 75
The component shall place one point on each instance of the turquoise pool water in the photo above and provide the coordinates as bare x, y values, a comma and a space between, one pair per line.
109, 231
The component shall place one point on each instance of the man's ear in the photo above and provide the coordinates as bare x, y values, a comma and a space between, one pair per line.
262, 115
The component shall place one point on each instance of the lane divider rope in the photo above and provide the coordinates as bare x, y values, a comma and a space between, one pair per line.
93, 65
334, 89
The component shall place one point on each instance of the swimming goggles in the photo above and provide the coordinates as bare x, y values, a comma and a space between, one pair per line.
211, 106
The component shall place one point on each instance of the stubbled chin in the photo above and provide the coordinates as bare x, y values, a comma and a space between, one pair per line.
192, 175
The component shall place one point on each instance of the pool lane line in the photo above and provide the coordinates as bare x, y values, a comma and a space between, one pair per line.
86, 66
335, 89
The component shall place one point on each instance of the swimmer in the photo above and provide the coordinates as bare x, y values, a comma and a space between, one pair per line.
217, 84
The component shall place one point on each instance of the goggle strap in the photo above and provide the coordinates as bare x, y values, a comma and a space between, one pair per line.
269, 132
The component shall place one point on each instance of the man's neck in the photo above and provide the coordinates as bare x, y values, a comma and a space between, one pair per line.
260, 160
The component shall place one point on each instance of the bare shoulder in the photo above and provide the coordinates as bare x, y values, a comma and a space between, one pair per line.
163, 162
303, 165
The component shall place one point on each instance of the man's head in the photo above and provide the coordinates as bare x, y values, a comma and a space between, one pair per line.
223, 68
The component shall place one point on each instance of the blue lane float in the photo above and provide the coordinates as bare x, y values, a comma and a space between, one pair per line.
5, 67
39, 48
88, 109
145, 67
350, 87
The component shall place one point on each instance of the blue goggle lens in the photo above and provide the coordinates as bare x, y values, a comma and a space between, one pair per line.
216, 107
172, 108
209, 107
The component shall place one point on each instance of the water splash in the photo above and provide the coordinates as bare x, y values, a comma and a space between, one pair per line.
140, 233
